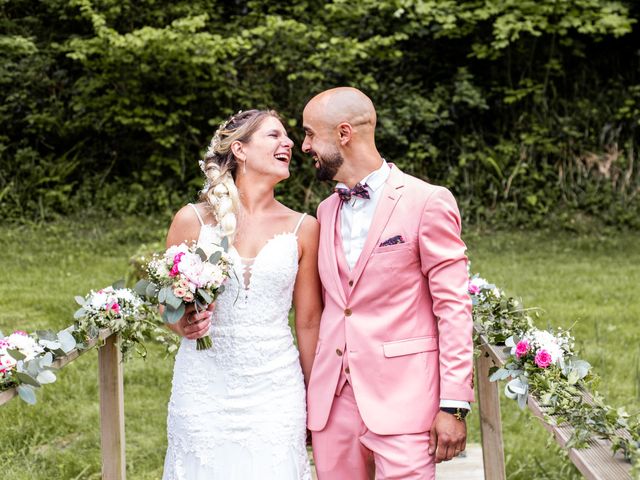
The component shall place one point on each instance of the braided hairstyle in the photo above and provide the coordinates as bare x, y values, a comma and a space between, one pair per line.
220, 167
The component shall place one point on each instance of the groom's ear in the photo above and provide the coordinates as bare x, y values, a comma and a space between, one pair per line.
345, 132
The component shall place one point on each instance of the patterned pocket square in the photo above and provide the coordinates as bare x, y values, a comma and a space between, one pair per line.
392, 241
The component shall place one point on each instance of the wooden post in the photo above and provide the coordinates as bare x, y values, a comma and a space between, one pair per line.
112, 409
490, 422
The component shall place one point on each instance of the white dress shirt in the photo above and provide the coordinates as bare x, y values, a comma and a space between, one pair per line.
355, 219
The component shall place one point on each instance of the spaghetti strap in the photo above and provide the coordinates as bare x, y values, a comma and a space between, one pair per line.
195, 209
295, 232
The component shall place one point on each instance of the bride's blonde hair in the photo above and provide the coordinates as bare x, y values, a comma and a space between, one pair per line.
220, 167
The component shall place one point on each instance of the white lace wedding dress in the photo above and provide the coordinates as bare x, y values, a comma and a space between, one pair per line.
237, 411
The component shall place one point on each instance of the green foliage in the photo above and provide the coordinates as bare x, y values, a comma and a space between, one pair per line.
528, 110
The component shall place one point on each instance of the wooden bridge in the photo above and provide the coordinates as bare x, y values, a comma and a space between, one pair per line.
481, 461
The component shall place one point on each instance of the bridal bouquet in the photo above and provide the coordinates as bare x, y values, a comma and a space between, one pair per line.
187, 275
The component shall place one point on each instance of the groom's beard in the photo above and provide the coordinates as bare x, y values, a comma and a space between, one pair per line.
329, 166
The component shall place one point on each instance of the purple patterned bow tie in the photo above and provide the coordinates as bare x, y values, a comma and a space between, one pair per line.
359, 190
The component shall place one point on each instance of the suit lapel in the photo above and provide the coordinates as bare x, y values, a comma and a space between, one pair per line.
331, 255
390, 196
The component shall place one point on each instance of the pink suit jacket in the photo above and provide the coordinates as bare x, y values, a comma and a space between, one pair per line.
406, 322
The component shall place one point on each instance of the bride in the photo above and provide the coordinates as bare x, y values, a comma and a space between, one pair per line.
237, 411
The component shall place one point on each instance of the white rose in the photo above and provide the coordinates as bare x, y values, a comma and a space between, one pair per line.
99, 299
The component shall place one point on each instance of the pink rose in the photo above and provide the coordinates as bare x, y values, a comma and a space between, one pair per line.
543, 358
473, 288
21, 332
188, 297
522, 348
176, 260
114, 307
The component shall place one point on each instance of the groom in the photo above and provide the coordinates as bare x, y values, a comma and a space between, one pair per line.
392, 376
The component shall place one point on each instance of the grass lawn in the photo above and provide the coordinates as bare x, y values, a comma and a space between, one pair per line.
586, 280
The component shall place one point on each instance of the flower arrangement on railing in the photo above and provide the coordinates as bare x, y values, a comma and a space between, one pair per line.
26, 361
543, 364
122, 311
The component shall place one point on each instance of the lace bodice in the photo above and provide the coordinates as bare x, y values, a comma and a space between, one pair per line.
267, 291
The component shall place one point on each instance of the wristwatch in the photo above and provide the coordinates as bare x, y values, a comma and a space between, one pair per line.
459, 413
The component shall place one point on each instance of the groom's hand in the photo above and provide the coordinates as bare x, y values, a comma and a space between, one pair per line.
448, 437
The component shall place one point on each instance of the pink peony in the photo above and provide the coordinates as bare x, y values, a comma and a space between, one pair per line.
522, 348
543, 358
21, 332
176, 260
473, 288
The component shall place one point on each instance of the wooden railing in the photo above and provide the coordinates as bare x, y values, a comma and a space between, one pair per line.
594, 462
111, 402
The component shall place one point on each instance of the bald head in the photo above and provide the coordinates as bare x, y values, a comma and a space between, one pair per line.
343, 105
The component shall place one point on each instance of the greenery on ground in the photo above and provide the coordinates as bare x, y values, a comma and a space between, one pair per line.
589, 280
528, 110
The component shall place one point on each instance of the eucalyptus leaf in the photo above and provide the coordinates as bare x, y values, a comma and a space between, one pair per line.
80, 313
28, 379
46, 360
46, 335
517, 386
573, 377
119, 284
67, 341
16, 354
162, 295
221, 289
225, 244
200, 252
46, 376
172, 315
171, 300
32, 368
141, 287
522, 401
215, 257
79, 300
27, 394
206, 297
151, 290
51, 345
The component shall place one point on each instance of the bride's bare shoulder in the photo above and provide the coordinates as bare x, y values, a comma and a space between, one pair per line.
185, 226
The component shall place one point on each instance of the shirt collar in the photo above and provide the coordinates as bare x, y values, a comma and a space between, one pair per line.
375, 179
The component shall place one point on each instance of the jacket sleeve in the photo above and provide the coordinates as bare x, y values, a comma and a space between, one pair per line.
444, 264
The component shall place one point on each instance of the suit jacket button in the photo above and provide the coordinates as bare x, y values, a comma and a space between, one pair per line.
347, 371
338, 352
351, 283
347, 312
